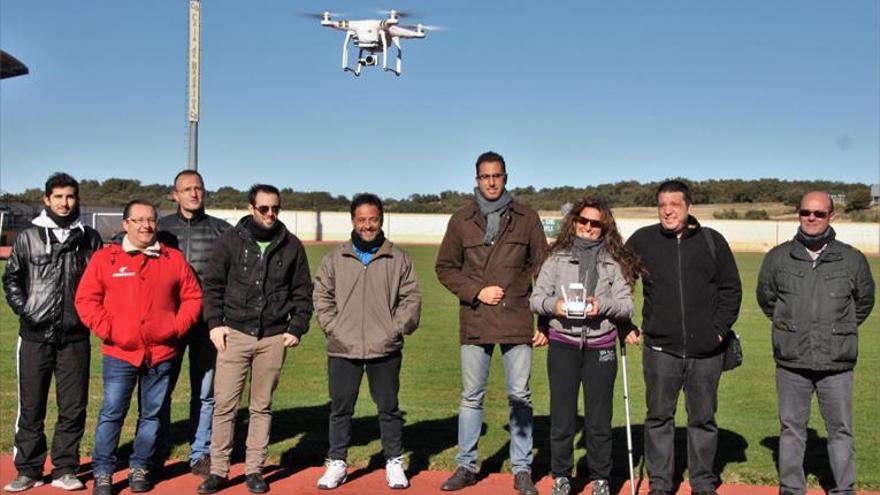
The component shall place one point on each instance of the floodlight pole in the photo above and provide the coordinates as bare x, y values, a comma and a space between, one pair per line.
193, 68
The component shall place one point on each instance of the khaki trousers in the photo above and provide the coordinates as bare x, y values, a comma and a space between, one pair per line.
264, 359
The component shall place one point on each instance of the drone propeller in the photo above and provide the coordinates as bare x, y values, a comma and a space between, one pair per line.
424, 27
397, 13
319, 15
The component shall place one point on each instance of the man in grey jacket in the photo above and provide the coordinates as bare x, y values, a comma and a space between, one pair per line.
817, 291
366, 299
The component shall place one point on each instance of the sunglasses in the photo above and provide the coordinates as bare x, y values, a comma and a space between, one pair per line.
265, 209
588, 222
816, 213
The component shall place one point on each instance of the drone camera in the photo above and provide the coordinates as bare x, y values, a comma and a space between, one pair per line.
369, 60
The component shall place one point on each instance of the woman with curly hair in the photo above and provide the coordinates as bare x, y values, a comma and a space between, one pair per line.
589, 250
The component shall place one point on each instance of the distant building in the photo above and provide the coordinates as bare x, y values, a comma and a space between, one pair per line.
875, 194
838, 198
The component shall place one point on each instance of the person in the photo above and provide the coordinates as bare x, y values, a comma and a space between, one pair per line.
258, 302
692, 295
816, 290
45, 265
492, 248
366, 298
589, 251
140, 298
194, 233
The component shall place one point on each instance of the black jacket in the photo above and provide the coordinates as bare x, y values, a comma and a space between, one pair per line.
258, 294
816, 307
41, 284
194, 237
691, 297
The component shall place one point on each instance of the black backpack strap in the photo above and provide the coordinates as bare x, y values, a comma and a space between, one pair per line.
707, 234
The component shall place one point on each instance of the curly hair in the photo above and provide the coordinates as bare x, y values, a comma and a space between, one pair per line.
630, 264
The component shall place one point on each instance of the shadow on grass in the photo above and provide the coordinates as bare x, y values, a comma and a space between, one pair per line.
815, 457
731, 448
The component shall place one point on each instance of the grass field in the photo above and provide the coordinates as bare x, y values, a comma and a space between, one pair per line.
430, 389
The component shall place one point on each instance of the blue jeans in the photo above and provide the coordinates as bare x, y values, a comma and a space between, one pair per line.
202, 357
120, 379
475, 361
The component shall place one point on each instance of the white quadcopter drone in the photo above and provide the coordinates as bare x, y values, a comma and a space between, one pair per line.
372, 37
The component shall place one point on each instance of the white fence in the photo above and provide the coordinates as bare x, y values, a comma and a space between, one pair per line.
743, 235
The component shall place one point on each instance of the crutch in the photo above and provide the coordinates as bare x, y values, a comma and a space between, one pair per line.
629, 441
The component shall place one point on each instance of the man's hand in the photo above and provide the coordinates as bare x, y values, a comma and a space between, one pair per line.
559, 309
539, 339
491, 295
218, 337
290, 340
594, 308
633, 337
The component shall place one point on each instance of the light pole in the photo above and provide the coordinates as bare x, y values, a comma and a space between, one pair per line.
193, 67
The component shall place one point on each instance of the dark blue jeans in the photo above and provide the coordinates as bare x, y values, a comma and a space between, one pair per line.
120, 379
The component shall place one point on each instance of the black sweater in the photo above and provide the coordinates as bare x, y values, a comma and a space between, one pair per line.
691, 296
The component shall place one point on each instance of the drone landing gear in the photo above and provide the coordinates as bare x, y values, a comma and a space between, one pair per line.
356, 71
396, 41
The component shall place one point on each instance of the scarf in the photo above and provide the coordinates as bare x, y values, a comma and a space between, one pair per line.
260, 233
66, 221
492, 210
815, 242
61, 233
367, 246
586, 251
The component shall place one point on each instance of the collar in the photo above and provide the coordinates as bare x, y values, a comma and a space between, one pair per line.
152, 251
197, 216
473, 209
347, 248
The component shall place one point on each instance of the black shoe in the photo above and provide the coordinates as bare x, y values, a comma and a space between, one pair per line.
202, 467
461, 478
212, 484
255, 483
523, 484
139, 480
103, 485
707, 492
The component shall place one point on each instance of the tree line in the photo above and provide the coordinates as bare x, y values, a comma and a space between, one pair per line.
117, 192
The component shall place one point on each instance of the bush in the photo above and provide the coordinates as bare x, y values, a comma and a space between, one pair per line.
757, 215
726, 214
866, 216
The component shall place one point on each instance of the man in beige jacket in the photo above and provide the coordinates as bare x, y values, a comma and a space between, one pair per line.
366, 299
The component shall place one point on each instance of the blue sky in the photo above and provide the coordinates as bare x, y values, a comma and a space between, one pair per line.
570, 92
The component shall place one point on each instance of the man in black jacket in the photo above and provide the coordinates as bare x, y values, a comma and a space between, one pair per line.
692, 296
40, 280
817, 291
193, 232
257, 299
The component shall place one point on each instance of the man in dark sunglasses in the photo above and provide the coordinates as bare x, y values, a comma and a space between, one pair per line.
258, 302
817, 291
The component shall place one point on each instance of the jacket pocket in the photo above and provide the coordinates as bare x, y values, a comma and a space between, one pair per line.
844, 343
786, 341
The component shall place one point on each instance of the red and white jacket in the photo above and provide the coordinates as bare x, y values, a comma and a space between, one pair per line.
140, 306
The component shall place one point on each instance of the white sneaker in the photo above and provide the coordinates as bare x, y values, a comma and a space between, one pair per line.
68, 482
334, 475
394, 474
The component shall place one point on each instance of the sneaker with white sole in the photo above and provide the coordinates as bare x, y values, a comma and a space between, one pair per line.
21, 483
68, 482
394, 474
335, 475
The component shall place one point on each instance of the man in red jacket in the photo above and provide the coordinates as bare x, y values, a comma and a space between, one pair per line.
140, 298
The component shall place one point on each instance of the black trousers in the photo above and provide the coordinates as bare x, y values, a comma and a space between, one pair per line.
665, 376
569, 369
344, 376
37, 362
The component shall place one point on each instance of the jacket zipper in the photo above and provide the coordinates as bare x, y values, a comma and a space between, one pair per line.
681, 300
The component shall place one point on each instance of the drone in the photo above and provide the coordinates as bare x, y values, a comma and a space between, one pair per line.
373, 37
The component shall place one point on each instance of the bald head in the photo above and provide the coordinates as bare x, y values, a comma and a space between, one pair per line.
815, 212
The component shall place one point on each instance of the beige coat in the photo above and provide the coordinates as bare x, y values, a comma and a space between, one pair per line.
365, 310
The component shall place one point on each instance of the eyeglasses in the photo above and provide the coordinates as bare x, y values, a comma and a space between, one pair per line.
142, 221
589, 222
816, 213
485, 177
264, 209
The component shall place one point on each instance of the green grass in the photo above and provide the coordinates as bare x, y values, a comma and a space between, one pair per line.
430, 389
